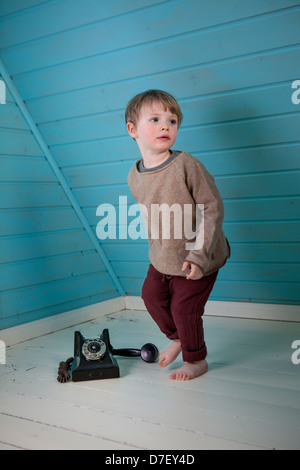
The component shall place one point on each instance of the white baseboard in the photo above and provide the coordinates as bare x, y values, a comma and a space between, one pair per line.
258, 311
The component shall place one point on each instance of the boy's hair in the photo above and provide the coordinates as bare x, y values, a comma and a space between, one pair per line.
148, 97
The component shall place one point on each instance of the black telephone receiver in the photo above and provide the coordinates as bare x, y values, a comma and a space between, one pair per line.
148, 353
94, 358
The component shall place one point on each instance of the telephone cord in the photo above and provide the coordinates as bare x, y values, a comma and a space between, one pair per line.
63, 374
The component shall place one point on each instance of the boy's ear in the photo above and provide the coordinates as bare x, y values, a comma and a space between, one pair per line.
131, 129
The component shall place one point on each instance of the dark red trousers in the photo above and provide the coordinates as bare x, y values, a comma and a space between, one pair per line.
177, 306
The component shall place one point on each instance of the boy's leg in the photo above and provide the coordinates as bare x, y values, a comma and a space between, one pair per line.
187, 306
156, 297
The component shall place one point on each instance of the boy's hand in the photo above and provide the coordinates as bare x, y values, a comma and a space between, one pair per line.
195, 273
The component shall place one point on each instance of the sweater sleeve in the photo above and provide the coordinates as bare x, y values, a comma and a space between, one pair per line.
204, 192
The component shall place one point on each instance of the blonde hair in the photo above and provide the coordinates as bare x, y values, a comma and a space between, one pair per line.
148, 97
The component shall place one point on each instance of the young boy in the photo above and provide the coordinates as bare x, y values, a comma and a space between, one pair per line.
181, 274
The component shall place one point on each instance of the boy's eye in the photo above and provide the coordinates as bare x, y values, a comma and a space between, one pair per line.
155, 119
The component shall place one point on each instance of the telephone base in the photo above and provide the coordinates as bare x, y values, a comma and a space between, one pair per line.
83, 370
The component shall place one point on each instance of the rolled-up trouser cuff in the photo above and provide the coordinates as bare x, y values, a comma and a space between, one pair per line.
194, 356
172, 336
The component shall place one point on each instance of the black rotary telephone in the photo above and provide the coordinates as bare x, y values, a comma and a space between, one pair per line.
94, 359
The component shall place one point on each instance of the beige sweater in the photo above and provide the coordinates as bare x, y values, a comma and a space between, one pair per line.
184, 182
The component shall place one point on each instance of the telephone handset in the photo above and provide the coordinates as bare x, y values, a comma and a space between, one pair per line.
94, 358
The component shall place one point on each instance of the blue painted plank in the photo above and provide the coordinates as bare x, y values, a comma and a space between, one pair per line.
261, 272
257, 292
14, 169
272, 185
10, 116
255, 159
55, 17
283, 252
103, 174
260, 209
62, 307
17, 142
40, 245
27, 299
93, 196
126, 251
263, 131
84, 129
37, 272
18, 195
96, 151
267, 232
174, 28
238, 104
33, 221
10, 7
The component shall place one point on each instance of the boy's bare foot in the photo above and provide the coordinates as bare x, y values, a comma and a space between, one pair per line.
169, 355
190, 371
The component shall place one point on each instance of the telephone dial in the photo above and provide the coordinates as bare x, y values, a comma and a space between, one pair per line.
94, 358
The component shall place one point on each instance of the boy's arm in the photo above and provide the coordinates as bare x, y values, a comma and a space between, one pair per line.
204, 191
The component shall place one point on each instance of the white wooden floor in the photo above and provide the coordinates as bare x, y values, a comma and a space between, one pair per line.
249, 399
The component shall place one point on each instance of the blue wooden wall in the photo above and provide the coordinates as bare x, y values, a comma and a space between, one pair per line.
75, 65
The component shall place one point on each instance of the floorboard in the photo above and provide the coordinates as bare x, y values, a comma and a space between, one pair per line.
249, 399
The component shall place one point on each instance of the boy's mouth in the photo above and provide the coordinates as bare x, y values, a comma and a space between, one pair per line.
164, 137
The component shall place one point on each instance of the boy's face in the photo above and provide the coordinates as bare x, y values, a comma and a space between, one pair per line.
156, 129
